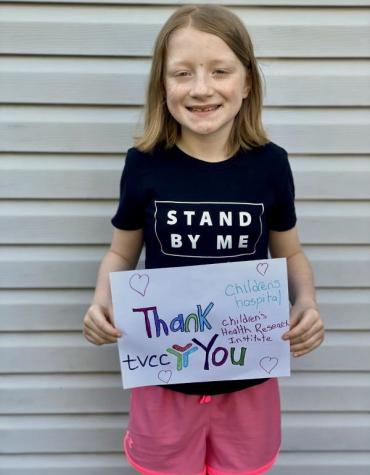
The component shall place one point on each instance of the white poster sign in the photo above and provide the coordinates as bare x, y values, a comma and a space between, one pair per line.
202, 323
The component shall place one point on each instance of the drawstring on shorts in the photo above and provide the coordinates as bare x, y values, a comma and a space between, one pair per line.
205, 399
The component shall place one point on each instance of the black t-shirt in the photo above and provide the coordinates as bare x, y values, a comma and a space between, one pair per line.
197, 212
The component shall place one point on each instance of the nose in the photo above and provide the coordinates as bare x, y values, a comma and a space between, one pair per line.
200, 85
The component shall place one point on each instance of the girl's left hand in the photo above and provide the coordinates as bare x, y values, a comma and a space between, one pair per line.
306, 329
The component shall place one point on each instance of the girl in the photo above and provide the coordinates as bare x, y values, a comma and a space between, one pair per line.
204, 151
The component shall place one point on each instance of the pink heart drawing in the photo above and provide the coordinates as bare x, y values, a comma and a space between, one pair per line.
165, 376
262, 268
139, 283
268, 363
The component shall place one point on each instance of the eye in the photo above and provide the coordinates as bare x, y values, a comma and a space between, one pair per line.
182, 74
220, 71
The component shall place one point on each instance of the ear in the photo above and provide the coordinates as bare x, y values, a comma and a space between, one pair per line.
246, 88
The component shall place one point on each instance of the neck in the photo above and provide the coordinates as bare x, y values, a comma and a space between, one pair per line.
205, 148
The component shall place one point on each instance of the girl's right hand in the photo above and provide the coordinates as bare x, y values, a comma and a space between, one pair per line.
98, 325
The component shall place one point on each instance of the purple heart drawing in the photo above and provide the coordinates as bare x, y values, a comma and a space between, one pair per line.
139, 283
164, 376
262, 268
268, 363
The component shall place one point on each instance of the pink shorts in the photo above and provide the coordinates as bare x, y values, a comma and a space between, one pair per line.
172, 433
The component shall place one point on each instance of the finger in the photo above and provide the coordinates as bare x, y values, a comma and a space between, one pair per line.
94, 337
308, 319
315, 329
317, 336
293, 321
100, 322
302, 352
307, 343
94, 328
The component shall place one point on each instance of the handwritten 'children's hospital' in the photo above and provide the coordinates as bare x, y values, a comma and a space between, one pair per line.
202, 323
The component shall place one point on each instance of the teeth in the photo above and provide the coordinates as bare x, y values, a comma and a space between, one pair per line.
198, 109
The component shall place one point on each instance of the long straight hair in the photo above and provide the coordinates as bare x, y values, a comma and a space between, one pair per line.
159, 125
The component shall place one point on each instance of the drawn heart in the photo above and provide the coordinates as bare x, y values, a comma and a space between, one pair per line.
139, 283
262, 268
268, 363
182, 348
165, 376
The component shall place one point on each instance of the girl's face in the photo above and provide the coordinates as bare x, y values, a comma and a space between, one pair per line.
201, 72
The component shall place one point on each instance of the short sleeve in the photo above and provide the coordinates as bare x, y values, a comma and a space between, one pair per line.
283, 215
130, 212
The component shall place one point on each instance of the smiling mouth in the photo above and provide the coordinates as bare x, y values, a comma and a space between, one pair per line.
203, 110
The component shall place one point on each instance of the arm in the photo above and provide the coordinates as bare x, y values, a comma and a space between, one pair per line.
123, 255
306, 327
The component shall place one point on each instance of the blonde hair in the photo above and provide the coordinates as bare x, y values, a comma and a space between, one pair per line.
159, 125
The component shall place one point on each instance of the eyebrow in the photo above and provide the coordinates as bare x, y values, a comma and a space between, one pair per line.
228, 62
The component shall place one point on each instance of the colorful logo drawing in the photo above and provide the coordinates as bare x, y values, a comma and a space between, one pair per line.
182, 354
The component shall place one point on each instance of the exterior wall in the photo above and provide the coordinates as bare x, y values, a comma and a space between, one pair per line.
72, 80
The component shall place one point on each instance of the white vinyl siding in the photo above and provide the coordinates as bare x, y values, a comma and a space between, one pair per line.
72, 82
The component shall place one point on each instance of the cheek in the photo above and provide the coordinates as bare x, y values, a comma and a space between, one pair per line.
171, 102
174, 101
235, 89
174, 93
236, 100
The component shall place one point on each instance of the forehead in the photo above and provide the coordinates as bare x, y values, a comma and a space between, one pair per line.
189, 45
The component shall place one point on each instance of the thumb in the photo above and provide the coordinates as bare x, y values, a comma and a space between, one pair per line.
110, 318
109, 314
106, 311
294, 318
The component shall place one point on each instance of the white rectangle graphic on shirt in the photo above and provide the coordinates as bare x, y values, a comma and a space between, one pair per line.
208, 229
199, 323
